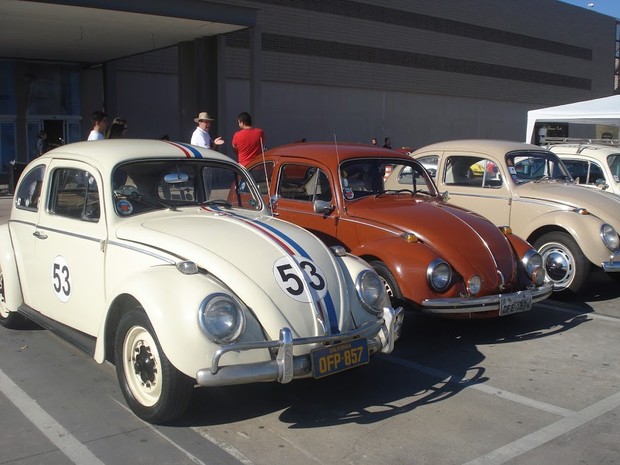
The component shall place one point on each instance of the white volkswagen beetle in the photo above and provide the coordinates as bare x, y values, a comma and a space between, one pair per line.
162, 258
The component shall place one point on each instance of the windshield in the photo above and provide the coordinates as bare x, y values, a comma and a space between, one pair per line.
614, 166
536, 166
379, 176
143, 186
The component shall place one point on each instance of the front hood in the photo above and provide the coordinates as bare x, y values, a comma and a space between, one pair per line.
254, 256
469, 242
604, 205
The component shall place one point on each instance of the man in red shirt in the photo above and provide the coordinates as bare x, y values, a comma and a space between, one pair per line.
248, 142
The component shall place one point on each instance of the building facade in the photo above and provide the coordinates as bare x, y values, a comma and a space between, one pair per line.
344, 70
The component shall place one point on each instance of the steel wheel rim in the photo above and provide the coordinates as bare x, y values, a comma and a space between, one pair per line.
142, 366
388, 288
559, 264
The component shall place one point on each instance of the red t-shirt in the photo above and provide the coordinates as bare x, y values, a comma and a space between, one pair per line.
249, 144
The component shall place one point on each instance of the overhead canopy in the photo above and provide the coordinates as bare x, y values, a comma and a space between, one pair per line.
604, 110
96, 31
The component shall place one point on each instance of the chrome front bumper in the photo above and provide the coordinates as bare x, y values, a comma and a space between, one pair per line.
381, 335
611, 265
489, 303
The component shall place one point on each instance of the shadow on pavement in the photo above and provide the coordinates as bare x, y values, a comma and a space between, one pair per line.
386, 387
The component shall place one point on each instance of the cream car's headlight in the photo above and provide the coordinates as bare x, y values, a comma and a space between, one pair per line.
221, 318
371, 291
439, 275
610, 237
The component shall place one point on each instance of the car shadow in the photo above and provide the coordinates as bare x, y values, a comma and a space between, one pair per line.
600, 288
434, 360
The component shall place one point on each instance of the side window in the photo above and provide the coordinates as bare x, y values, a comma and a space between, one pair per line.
303, 182
472, 172
258, 173
74, 194
578, 169
29, 192
595, 173
430, 162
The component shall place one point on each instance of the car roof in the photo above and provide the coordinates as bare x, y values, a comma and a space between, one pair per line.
488, 145
592, 150
105, 154
325, 152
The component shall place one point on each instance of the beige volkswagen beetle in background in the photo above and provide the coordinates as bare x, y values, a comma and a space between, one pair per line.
530, 190
163, 259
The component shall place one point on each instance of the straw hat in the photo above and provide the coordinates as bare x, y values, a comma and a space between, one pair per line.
203, 115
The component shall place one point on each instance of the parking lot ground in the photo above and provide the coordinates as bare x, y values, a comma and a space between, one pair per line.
517, 390
540, 387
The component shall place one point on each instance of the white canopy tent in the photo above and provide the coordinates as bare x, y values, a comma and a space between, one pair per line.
605, 111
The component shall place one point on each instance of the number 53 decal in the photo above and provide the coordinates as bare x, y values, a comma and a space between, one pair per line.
302, 280
61, 279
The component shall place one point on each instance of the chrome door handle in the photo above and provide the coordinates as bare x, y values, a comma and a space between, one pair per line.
39, 235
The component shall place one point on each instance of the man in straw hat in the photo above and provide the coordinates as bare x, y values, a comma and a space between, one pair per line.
201, 136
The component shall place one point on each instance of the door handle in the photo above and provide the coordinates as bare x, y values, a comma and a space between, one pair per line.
39, 235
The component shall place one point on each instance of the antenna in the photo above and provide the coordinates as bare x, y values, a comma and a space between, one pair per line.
262, 148
337, 157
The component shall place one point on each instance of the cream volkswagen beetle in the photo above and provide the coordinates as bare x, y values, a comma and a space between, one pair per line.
528, 188
162, 258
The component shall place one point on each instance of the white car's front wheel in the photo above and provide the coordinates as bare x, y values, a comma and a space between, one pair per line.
9, 319
153, 388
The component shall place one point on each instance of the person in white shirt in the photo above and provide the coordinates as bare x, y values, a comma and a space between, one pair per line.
100, 124
200, 136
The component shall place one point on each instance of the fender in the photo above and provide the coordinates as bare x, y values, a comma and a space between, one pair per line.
407, 255
8, 264
163, 291
585, 230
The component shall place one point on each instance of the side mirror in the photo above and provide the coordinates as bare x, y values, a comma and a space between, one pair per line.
445, 196
323, 207
600, 183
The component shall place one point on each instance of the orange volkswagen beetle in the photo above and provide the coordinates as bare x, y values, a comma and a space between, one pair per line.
384, 207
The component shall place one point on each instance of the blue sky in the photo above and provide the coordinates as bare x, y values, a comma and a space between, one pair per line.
606, 7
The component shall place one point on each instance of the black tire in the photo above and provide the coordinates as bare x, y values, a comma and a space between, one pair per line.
391, 286
564, 262
153, 388
9, 319
615, 276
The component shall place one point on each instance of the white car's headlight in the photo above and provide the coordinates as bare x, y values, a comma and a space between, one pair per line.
221, 318
610, 237
371, 292
439, 275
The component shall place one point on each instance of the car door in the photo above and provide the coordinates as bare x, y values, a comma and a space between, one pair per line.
300, 189
476, 182
68, 263
28, 200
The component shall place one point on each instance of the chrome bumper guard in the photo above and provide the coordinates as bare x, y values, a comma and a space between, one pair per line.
381, 335
487, 303
611, 266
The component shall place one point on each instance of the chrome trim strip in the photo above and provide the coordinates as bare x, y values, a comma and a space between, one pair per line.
487, 303
142, 251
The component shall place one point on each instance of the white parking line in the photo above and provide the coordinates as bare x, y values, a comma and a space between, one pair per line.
77, 452
225, 447
450, 378
548, 433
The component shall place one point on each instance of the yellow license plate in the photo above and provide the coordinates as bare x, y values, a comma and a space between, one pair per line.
334, 359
